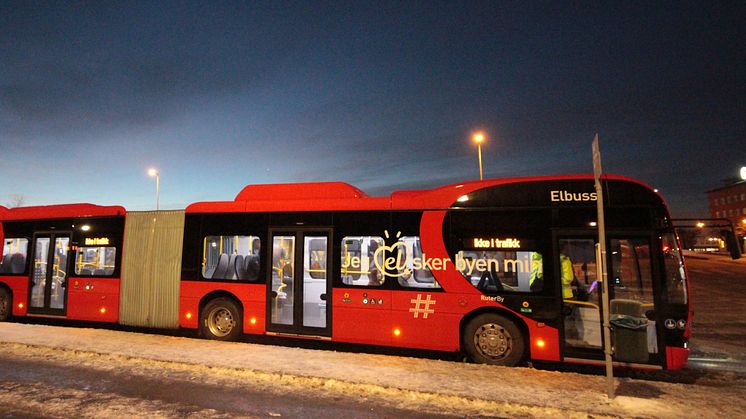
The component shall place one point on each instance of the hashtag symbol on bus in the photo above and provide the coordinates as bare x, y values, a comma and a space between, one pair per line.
418, 306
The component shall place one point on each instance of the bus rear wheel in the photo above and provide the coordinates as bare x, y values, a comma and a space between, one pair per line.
220, 320
5, 302
492, 339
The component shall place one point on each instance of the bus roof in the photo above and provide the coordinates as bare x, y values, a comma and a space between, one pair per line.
59, 211
340, 196
311, 196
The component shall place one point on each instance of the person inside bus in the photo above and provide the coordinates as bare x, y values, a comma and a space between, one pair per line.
536, 282
567, 273
573, 327
374, 276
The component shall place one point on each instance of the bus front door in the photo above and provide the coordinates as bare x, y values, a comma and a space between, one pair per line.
632, 303
48, 277
299, 283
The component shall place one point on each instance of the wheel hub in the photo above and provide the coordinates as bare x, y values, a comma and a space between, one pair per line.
221, 322
493, 341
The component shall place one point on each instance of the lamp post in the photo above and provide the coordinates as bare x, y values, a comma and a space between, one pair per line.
154, 173
478, 138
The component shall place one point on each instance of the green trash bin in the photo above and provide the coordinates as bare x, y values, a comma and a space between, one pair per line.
629, 328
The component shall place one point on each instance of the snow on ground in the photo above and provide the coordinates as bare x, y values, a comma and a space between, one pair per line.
717, 285
421, 385
51, 401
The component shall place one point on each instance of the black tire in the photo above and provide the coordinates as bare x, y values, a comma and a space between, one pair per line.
221, 320
6, 302
492, 339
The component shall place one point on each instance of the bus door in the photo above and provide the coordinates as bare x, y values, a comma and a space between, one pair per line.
49, 272
299, 282
632, 302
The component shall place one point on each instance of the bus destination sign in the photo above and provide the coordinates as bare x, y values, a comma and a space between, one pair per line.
495, 243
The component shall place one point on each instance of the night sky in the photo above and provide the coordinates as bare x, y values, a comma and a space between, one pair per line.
381, 95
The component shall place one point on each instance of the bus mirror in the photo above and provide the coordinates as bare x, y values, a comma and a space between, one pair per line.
730, 240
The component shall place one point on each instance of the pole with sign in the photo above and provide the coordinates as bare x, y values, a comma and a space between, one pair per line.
601, 267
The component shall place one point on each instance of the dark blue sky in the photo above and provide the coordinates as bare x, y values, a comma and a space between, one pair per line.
382, 95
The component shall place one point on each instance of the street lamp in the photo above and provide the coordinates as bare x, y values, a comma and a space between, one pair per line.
478, 138
743, 173
154, 173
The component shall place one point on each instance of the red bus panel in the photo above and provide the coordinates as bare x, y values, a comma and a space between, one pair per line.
362, 316
19, 287
93, 299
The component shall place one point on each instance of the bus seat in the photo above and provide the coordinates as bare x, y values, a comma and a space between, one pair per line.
423, 276
5, 265
208, 271
489, 282
252, 267
17, 263
230, 273
240, 267
221, 268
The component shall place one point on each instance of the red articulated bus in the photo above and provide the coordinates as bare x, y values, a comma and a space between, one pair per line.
502, 270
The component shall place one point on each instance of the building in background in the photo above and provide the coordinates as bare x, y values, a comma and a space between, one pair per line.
730, 202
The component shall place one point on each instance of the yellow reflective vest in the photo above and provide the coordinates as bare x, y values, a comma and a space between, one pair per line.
536, 268
567, 276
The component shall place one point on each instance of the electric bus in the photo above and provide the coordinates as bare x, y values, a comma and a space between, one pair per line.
503, 270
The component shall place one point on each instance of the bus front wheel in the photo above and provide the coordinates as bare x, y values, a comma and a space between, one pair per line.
5, 303
492, 339
220, 320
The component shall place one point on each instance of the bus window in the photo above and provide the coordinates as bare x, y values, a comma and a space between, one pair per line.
675, 275
413, 272
231, 257
314, 281
283, 279
95, 261
14, 256
630, 274
360, 265
502, 270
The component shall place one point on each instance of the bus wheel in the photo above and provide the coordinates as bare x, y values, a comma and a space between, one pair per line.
492, 339
220, 320
4, 305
